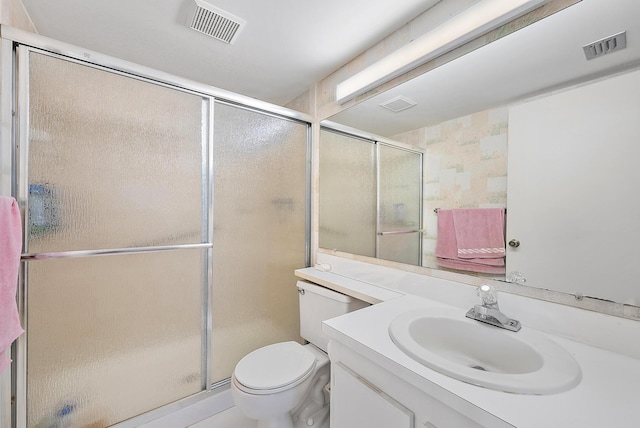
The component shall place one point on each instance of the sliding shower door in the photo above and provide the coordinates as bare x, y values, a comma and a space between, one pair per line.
347, 200
370, 200
399, 205
113, 176
260, 231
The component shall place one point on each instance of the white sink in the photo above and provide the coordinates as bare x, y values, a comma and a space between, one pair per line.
525, 362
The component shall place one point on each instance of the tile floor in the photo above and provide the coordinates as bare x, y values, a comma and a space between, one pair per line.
231, 418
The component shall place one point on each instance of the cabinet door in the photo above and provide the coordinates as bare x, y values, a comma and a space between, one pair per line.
355, 402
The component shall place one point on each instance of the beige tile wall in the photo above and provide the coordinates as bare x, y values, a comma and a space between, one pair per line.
12, 13
465, 166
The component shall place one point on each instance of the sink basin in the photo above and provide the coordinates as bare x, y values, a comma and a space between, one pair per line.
525, 362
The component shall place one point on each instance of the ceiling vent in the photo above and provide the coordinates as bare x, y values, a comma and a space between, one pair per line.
214, 22
398, 104
607, 45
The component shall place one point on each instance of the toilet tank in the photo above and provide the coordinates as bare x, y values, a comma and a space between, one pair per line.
318, 304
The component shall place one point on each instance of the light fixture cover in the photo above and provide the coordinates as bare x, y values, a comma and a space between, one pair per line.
473, 22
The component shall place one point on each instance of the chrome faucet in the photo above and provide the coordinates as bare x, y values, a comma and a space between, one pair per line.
488, 312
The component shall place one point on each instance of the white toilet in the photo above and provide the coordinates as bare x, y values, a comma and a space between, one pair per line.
283, 385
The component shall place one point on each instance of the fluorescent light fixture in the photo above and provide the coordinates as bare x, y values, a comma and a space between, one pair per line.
473, 22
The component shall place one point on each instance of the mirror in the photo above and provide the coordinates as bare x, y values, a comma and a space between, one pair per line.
509, 81
370, 199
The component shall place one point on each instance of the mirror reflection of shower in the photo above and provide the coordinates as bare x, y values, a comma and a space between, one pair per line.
370, 197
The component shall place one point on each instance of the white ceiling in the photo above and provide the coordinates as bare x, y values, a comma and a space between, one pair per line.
284, 48
543, 56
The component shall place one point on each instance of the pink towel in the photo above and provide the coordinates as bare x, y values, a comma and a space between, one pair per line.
10, 249
468, 266
448, 246
480, 233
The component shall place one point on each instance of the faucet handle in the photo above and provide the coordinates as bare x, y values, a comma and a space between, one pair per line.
488, 294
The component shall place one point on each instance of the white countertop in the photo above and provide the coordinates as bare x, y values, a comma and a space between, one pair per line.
352, 287
607, 396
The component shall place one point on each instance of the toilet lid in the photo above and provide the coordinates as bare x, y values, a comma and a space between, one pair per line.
275, 366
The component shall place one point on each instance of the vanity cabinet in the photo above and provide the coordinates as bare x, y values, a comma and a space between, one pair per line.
356, 402
363, 394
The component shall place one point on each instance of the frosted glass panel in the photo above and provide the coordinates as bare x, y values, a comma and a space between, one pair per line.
111, 337
400, 177
400, 204
259, 232
404, 248
347, 201
113, 161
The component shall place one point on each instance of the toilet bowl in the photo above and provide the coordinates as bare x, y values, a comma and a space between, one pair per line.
283, 385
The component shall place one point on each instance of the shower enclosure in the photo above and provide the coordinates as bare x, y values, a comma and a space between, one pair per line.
370, 201
162, 224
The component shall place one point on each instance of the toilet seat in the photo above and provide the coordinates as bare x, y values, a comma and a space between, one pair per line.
274, 368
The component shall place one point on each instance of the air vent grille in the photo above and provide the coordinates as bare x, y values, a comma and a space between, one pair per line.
216, 23
607, 45
398, 104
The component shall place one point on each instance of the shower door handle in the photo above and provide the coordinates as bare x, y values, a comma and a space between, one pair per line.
399, 232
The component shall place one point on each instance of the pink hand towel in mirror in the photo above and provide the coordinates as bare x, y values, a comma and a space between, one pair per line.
479, 233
